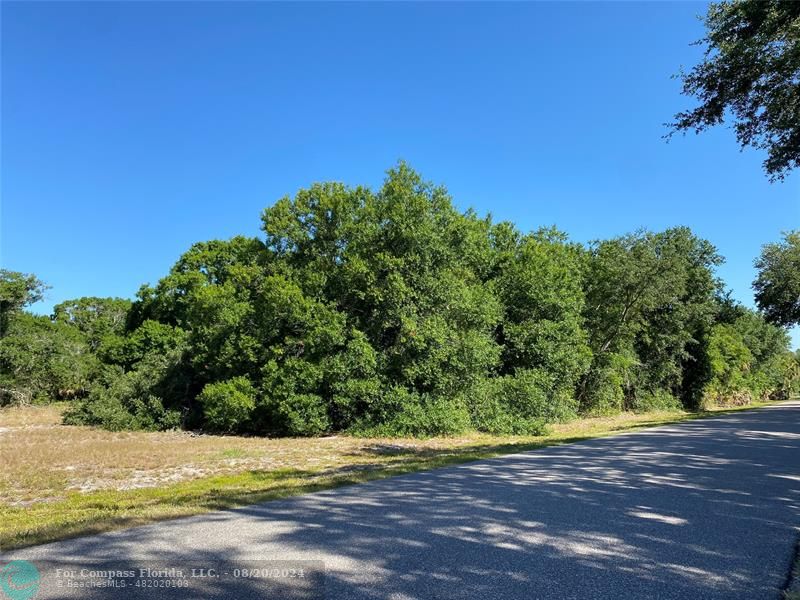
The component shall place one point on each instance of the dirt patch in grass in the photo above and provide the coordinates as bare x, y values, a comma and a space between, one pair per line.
43, 459
59, 481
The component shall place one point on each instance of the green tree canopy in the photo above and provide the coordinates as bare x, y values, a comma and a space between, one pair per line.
17, 290
392, 312
648, 298
751, 71
96, 318
40, 359
777, 285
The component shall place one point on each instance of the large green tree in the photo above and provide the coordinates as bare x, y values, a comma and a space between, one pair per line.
777, 285
541, 289
17, 290
648, 298
404, 268
96, 318
751, 74
40, 359
749, 358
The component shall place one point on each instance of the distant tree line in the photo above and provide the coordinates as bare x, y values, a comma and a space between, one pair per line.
392, 313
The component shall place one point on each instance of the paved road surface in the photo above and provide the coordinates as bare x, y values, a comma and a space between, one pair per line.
706, 509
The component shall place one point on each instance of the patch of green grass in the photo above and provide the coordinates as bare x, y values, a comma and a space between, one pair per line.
80, 513
233, 453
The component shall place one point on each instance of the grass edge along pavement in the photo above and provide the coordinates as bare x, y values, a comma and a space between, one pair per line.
84, 513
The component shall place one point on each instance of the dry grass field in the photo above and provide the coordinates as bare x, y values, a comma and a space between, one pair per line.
58, 481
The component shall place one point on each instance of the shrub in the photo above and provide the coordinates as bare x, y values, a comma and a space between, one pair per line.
291, 403
610, 383
648, 400
350, 377
406, 413
102, 409
730, 361
135, 399
522, 403
489, 413
603, 393
300, 414
228, 405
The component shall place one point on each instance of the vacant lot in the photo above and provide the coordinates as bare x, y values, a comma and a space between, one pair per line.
59, 480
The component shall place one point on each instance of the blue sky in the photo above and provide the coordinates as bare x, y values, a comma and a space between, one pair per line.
132, 130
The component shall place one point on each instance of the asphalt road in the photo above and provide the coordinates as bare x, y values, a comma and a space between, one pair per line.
705, 509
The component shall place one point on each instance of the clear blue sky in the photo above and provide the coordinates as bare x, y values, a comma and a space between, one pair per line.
131, 130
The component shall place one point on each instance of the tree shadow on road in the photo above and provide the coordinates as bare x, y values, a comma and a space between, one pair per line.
703, 509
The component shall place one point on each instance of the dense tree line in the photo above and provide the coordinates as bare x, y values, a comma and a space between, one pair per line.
391, 312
